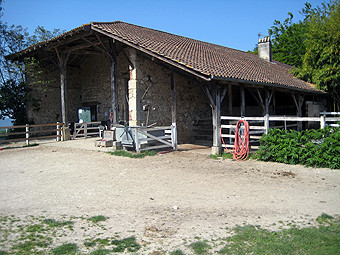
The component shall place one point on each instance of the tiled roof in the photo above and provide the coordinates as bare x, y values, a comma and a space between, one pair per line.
208, 59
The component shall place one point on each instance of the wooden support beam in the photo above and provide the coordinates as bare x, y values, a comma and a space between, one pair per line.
101, 42
127, 58
113, 82
173, 111
243, 102
268, 98
224, 92
98, 48
216, 117
258, 99
62, 63
230, 99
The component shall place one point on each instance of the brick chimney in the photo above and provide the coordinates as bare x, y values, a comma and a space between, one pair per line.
265, 49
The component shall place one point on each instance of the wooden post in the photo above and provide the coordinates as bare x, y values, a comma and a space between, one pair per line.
299, 112
216, 115
136, 139
268, 99
266, 123
322, 121
85, 129
113, 82
58, 132
298, 103
62, 63
243, 102
27, 134
230, 99
173, 112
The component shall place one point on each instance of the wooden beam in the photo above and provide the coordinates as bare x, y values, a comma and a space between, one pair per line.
173, 110
268, 98
230, 99
127, 58
258, 99
70, 39
216, 117
62, 63
209, 99
224, 92
113, 82
100, 49
101, 42
243, 102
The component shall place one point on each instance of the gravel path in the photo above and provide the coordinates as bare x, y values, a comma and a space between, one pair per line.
163, 199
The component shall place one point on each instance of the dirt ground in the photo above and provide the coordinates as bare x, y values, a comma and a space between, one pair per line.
163, 199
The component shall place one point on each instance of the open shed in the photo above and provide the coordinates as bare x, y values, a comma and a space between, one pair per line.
142, 76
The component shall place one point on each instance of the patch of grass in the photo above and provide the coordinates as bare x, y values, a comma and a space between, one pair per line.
226, 155
133, 154
101, 252
128, 244
55, 224
113, 245
65, 249
255, 240
98, 218
177, 252
200, 247
324, 218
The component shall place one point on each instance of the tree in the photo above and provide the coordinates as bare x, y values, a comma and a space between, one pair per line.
13, 85
321, 62
312, 46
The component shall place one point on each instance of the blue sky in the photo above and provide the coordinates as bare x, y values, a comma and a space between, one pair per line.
231, 23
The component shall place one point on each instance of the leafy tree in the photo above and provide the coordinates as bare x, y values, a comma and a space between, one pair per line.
321, 62
312, 46
288, 41
13, 84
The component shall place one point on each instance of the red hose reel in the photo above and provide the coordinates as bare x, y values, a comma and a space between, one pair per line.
241, 144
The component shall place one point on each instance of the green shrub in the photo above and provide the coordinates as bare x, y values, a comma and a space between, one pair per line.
317, 148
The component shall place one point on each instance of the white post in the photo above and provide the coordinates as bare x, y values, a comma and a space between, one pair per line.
58, 132
85, 130
322, 121
27, 134
136, 140
174, 136
266, 123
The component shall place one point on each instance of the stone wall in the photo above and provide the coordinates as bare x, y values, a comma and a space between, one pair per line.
150, 96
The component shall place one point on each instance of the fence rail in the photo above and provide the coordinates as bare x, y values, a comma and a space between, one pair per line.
155, 138
29, 132
87, 129
261, 125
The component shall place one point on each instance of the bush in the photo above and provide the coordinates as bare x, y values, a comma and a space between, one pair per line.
317, 148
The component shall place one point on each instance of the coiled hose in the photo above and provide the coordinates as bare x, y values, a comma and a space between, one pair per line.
241, 144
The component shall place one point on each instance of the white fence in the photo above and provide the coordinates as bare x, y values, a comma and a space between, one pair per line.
261, 125
87, 129
31, 132
155, 138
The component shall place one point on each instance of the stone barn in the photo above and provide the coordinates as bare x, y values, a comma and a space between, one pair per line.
141, 76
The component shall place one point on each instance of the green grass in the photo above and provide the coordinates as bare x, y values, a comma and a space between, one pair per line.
40, 235
200, 247
177, 252
69, 248
323, 239
128, 154
96, 219
226, 155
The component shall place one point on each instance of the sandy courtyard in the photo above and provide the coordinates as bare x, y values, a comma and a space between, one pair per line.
163, 199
